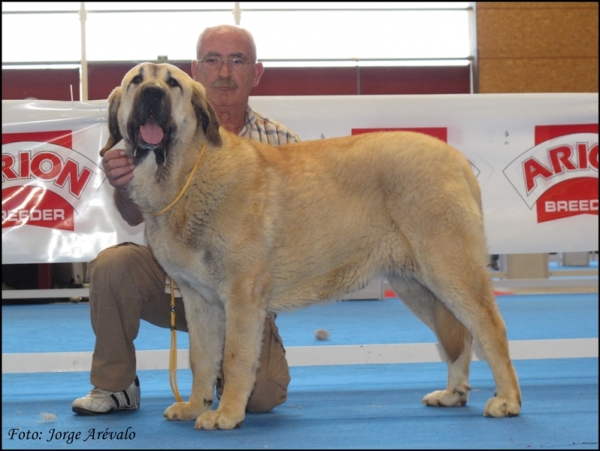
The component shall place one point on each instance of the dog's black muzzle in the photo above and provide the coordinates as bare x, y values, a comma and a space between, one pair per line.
152, 109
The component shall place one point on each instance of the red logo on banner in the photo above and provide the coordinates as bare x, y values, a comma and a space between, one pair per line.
571, 197
436, 132
34, 206
45, 179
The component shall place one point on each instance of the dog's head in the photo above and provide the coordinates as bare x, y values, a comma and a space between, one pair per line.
157, 107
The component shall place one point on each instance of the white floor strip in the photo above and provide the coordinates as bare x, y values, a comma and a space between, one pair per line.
310, 355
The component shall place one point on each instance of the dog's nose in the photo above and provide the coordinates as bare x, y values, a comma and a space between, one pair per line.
152, 93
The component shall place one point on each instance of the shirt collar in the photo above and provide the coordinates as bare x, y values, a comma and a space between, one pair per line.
250, 121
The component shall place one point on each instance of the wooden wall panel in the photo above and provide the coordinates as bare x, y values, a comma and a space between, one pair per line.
537, 47
537, 33
535, 5
538, 75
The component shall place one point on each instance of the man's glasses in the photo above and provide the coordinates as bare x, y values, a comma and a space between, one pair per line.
214, 63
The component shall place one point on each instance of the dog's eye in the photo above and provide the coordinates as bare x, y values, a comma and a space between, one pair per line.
137, 79
172, 83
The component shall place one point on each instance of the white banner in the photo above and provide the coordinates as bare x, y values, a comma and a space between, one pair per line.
535, 156
56, 203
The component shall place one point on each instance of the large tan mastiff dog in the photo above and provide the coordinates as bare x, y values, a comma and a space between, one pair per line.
263, 228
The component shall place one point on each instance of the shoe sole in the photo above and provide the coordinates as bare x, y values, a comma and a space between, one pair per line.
82, 411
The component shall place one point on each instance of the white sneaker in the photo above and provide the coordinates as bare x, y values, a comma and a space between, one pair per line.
99, 401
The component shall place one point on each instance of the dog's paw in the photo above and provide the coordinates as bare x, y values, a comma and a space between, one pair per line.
183, 411
502, 407
214, 419
445, 398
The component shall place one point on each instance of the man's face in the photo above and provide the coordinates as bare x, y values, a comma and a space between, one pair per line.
226, 86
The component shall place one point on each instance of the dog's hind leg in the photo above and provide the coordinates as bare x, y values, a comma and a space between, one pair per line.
466, 290
454, 338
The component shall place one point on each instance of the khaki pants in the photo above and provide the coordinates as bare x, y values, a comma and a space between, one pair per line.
126, 285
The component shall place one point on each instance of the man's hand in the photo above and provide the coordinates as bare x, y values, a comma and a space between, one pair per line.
118, 168
119, 172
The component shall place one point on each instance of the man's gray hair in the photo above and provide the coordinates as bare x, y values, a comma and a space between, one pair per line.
252, 56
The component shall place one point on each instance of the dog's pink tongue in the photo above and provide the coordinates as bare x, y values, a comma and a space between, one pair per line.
151, 132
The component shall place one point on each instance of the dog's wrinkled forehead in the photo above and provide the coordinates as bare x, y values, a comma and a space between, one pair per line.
164, 75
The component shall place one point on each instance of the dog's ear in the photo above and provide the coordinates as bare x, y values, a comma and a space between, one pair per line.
114, 100
206, 116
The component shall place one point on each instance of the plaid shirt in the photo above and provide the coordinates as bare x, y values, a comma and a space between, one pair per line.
266, 130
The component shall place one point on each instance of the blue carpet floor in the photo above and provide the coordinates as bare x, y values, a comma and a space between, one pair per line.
336, 407
341, 407
66, 327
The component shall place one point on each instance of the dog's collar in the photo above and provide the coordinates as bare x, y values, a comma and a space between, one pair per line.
185, 187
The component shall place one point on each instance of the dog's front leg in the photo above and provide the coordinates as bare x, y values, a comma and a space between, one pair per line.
206, 327
243, 339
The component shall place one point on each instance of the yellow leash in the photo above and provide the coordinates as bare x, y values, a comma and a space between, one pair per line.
173, 350
185, 187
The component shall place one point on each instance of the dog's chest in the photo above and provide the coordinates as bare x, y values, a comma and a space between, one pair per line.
179, 258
